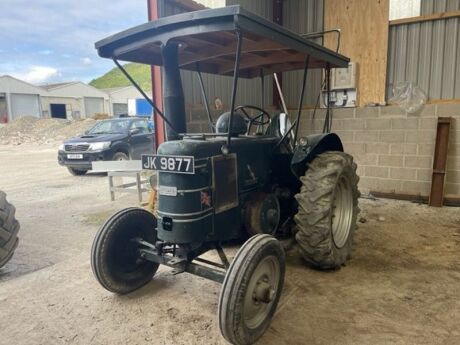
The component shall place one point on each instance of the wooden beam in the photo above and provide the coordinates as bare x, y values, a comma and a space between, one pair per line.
249, 60
439, 162
426, 18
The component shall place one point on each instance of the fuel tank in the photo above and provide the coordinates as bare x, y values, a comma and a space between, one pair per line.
206, 206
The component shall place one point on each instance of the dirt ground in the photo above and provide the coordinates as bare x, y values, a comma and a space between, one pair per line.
401, 287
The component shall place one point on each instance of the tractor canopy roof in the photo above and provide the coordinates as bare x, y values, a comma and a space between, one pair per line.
208, 41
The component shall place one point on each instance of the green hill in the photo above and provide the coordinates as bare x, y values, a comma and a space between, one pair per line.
114, 78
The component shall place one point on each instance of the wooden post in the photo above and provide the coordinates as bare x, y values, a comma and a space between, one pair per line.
439, 162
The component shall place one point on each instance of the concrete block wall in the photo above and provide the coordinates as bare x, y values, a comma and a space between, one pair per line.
394, 150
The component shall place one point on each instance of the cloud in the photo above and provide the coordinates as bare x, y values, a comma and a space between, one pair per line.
48, 40
86, 61
37, 74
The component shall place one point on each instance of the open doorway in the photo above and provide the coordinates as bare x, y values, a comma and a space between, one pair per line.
58, 111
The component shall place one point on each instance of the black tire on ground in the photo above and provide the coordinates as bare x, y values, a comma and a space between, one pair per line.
251, 290
120, 156
9, 228
327, 210
77, 172
115, 258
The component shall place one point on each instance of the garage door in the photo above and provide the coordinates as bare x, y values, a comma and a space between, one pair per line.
120, 108
24, 105
58, 110
93, 105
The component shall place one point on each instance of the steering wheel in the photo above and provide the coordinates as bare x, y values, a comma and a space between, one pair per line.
263, 118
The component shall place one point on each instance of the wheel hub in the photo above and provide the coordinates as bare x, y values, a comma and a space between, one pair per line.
264, 292
261, 292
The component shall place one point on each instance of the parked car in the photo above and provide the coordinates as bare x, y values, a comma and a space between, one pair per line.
114, 139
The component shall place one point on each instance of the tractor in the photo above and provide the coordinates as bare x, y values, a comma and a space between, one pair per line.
252, 178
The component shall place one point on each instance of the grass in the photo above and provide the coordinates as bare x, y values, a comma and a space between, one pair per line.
115, 78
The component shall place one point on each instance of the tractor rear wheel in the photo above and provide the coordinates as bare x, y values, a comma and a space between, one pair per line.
9, 228
115, 257
327, 210
251, 290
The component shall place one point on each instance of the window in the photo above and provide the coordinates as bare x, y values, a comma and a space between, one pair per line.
404, 9
141, 125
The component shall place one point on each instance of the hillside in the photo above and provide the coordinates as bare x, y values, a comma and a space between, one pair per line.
114, 78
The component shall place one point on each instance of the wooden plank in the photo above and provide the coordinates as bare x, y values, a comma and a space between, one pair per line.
364, 39
426, 18
449, 200
439, 162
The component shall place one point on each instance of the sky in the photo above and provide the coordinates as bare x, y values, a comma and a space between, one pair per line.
49, 41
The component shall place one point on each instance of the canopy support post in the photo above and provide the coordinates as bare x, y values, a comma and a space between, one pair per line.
239, 36
328, 119
278, 19
147, 98
205, 98
299, 111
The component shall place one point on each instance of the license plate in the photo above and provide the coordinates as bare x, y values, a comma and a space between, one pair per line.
173, 164
74, 156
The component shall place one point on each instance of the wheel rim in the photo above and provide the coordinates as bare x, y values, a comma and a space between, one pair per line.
261, 292
342, 212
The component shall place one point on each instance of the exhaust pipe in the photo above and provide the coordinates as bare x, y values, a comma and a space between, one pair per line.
173, 93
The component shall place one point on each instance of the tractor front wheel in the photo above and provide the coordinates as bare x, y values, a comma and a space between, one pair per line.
327, 210
251, 290
115, 256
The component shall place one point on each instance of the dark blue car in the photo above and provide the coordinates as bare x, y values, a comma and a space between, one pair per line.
115, 139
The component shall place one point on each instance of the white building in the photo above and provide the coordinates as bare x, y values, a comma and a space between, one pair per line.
18, 98
74, 100
119, 97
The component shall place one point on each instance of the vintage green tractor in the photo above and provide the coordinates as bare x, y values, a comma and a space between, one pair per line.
250, 177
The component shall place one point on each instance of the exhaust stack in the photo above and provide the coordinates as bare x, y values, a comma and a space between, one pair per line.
173, 93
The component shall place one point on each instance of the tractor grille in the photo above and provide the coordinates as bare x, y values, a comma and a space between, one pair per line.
225, 180
76, 147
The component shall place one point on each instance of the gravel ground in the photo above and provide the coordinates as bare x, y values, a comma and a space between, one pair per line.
401, 286
42, 130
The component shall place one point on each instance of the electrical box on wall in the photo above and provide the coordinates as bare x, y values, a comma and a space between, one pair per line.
343, 89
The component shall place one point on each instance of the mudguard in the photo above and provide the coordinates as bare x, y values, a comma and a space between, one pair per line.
315, 145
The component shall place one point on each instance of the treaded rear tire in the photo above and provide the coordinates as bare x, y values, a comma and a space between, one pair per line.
9, 228
316, 201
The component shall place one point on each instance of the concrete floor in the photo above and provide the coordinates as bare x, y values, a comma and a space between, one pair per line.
401, 287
